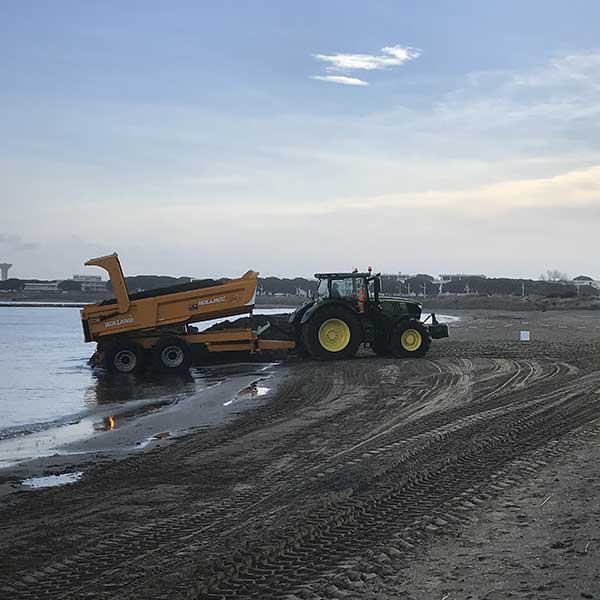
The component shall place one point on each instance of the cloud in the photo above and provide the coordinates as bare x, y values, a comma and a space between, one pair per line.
393, 56
577, 188
574, 189
15, 242
340, 79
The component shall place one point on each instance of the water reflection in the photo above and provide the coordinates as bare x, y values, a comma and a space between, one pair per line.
52, 480
113, 402
118, 389
254, 390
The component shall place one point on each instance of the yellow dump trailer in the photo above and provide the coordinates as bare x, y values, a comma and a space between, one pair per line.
154, 328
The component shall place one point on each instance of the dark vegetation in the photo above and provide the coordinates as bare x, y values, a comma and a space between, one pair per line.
424, 285
470, 292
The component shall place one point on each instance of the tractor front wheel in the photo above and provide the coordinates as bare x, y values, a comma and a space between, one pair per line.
332, 333
410, 338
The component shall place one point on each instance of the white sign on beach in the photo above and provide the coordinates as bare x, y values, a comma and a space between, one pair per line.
525, 336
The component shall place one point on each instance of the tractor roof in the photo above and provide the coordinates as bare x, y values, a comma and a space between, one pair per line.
344, 275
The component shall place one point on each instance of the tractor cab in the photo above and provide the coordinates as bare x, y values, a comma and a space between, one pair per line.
360, 289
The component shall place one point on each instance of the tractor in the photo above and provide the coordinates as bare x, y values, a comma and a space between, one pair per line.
348, 309
154, 327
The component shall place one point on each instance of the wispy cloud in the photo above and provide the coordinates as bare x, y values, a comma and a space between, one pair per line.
392, 56
15, 242
340, 79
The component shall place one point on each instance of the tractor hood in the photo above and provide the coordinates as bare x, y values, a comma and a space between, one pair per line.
396, 299
401, 306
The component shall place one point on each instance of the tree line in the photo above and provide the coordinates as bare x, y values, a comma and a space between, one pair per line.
553, 284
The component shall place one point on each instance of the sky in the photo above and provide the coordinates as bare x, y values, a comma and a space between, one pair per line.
207, 138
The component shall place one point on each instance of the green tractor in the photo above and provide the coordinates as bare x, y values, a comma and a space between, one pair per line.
348, 310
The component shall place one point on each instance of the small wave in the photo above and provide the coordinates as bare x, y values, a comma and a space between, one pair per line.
15, 431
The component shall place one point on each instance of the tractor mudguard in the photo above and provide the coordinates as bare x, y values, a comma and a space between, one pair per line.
437, 330
296, 316
309, 313
317, 305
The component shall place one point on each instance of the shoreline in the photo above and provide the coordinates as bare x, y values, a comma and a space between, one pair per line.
124, 433
23, 304
41, 305
429, 304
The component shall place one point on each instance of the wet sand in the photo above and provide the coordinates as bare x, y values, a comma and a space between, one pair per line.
136, 427
467, 474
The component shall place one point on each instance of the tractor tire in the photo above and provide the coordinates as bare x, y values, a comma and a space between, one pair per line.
125, 357
300, 348
380, 348
409, 339
332, 333
381, 344
172, 355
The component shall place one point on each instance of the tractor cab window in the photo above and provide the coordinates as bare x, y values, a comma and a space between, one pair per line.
344, 288
322, 289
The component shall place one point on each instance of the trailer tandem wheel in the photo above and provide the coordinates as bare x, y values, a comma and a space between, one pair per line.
125, 357
172, 355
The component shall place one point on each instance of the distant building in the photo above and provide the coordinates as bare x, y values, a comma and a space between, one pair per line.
399, 277
44, 286
584, 281
448, 277
90, 283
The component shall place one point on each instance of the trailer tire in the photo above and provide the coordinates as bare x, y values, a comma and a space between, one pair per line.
332, 333
409, 339
125, 357
172, 355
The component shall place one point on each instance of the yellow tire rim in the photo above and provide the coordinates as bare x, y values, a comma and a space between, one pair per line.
411, 340
334, 335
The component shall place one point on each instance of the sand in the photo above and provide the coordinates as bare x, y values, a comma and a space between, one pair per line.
468, 474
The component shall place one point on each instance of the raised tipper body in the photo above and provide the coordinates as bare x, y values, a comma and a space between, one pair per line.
178, 305
154, 325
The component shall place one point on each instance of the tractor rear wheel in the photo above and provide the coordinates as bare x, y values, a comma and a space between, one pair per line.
172, 355
125, 357
332, 333
409, 338
298, 338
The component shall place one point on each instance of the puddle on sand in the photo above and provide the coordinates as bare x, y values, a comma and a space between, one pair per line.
52, 480
252, 391
157, 437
